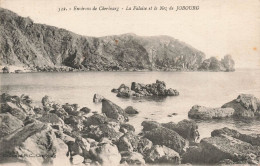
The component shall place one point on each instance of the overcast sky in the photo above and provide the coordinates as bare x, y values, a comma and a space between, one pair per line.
218, 28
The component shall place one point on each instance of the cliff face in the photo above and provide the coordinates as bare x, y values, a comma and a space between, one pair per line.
23, 42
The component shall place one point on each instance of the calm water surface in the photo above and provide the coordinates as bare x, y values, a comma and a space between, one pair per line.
202, 88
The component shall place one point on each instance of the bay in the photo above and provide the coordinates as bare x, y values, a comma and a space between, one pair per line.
212, 89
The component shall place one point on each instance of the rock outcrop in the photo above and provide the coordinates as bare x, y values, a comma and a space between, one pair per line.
246, 105
46, 48
140, 90
213, 64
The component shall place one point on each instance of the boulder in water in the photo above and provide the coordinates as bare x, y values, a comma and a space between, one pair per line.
201, 112
131, 110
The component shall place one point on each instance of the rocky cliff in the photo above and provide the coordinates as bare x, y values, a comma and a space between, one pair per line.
44, 48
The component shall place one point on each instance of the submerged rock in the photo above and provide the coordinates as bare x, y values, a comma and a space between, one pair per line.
201, 112
113, 111
246, 105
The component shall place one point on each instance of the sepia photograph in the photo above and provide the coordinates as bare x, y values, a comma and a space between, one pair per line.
129, 82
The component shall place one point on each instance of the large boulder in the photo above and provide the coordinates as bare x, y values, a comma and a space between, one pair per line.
246, 105
162, 155
35, 142
113, 111
222, 148
105, 154
167, 137
8, 124
216, 149
188, 129
253, 139
201, 112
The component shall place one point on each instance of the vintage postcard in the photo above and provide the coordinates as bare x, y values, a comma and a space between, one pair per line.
129, 82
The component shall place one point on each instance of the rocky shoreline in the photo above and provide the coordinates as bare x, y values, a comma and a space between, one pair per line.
54, 134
